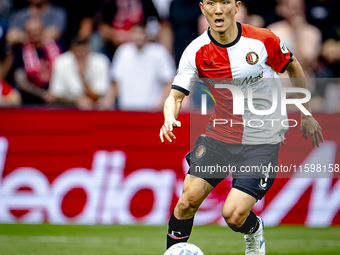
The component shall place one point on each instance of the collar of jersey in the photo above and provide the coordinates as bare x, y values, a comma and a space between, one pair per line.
239, 28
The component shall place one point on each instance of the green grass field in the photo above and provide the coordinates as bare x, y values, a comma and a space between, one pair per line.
141, 240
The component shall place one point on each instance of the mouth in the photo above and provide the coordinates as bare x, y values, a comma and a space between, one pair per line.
219, 22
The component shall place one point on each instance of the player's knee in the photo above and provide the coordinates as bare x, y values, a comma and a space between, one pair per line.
188, 203
234, 219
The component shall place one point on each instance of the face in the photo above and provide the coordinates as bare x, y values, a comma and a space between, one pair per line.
138, 36
34, 29
220, 14
80, 51
291, 8
38, 2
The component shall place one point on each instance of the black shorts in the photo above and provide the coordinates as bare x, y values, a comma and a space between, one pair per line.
251, 165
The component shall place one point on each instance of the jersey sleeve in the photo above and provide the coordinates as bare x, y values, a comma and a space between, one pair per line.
187, 74
279, 56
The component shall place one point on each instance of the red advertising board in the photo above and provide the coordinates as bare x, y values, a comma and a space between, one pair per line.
69, 166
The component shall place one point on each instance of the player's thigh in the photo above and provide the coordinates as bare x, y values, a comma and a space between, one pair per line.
237, 205
195, 190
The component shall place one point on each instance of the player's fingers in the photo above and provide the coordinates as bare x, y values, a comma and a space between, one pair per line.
304, 133
316, 138
161, 136
311, 135
177, 123
168, 126
320, 134
167, 137
172, 135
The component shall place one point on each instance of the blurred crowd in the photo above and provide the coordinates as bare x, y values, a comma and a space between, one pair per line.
123, 54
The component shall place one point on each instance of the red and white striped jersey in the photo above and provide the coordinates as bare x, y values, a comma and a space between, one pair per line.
252, 60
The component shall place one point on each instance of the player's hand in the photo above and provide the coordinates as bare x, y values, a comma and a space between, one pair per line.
311, 127
167, 128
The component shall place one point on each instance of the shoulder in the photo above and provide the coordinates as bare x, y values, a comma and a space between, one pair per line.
64, 59
19, 16
156, 49
99, 58
199, 42
196, 45
57, 10
262, 34
125, 47
19, 13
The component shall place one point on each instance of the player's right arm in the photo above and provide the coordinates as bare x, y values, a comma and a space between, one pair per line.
172, 106
185, 78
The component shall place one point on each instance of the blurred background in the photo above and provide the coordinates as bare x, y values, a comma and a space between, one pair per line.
82, 85
103, 34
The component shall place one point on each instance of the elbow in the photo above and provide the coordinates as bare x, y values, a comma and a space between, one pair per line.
294, 69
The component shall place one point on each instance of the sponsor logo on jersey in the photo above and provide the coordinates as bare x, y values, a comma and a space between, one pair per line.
283, 48
252, 79
206, 64
200, 151
252, 58
239, 82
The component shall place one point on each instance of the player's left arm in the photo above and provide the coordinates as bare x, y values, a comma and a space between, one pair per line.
308, 124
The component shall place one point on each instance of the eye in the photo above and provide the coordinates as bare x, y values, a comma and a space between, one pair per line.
225, 2
210, 3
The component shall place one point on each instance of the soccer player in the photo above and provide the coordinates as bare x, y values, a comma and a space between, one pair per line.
230, 51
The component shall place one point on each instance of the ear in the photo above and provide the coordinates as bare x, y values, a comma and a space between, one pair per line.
201, 6
238, 6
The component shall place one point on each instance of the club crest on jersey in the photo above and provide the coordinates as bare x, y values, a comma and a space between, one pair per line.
283, 48
206, 64
252, 58
200, 151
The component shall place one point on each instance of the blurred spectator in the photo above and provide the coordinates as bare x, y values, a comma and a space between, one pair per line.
243, 16
162, 7
5, 8
263, 8
325, 15
33, 64
329, 60
303, 39
80, 15
3, 30
142, 73
165, 34
184, 17
8, 95
119, 16
52, 17
328, 73
80, 76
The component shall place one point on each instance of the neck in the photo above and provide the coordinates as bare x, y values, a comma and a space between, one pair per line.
227, 36
38, 44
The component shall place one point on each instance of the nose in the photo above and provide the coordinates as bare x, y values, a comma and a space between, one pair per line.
218, 9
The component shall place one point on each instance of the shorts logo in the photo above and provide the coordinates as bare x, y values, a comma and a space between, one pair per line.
263, 184
252, 58
200, 151
206, 64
